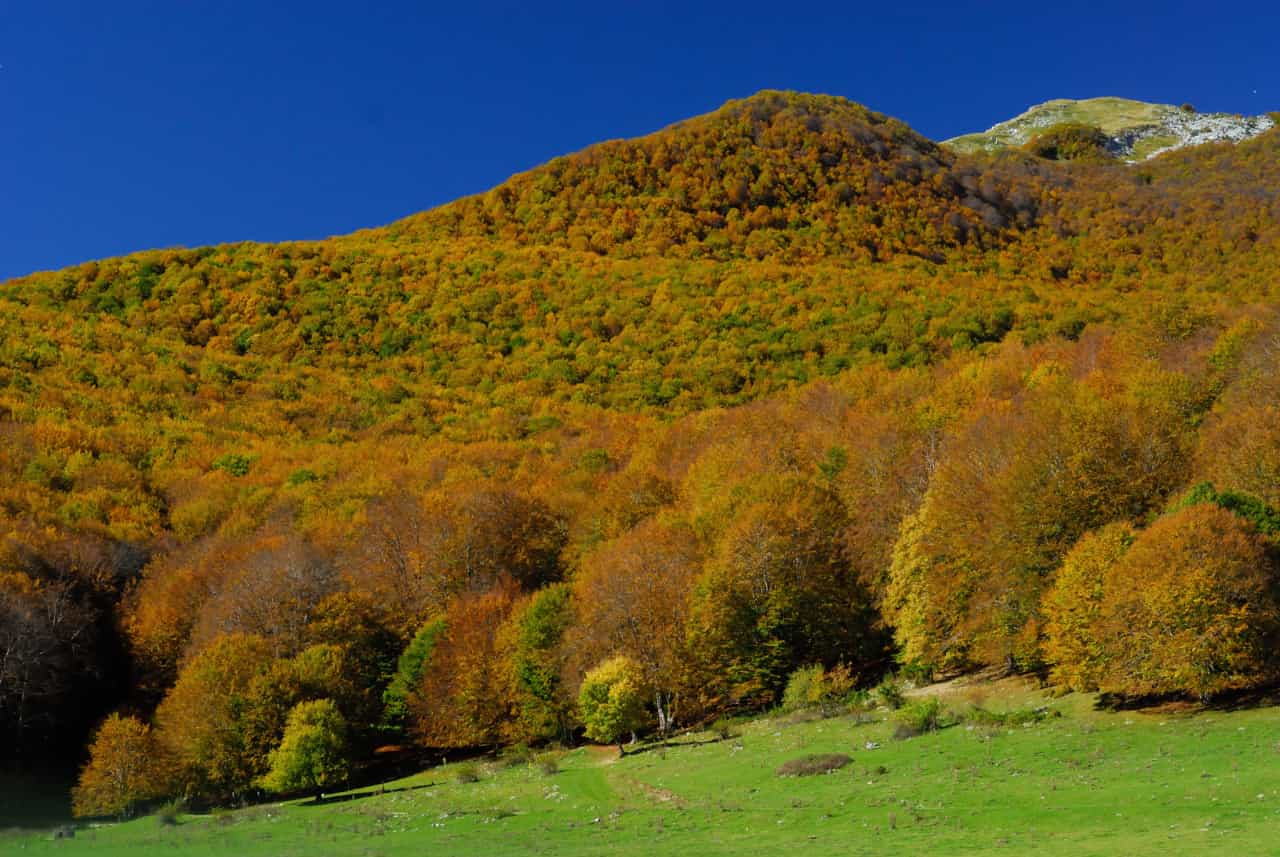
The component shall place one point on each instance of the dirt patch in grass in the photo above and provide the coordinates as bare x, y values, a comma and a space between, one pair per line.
653, 793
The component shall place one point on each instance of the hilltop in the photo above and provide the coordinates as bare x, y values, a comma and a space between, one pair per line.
1135, 130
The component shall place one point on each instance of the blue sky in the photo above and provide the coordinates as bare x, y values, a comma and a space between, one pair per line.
128, 125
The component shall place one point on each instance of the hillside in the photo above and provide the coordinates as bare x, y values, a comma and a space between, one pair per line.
781, 386
1135, 130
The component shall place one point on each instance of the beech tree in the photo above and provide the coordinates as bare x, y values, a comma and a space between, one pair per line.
126, 766
413, 662
632, 597
313, 754
778, 593
46, 649
533, 645
1074, 607
612, 701
464, 698
199, 722
1190, 608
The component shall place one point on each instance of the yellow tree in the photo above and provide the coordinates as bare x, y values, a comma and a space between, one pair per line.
1190, 608
1074, 605
126, 765
200, 721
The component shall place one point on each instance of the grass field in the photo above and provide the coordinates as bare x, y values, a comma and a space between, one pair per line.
1085, 783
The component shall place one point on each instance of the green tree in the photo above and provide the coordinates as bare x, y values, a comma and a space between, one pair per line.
313, 754
201, 720
537, 659
408, 675
612, 701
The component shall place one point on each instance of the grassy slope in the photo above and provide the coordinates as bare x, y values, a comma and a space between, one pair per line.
1110, 114
1083, 784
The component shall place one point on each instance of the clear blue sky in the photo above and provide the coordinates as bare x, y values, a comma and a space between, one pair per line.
126, 125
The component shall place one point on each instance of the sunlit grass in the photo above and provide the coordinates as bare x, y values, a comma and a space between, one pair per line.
1082, 783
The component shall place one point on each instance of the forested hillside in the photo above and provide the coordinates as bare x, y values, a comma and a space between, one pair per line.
782, 385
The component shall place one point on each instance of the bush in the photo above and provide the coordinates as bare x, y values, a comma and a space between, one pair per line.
516, 756
889, 692
1018, 717
467, 772
807, 766
167, 815
724, 729
1070, 141
918, 717
817, 687
800, 687
549, 764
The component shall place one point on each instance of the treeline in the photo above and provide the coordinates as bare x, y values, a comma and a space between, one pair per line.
1100, 510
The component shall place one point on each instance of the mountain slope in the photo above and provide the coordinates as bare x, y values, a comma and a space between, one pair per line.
780, 238
792, 328
1135, 130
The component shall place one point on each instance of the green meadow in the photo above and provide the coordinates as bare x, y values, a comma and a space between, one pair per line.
1077, 782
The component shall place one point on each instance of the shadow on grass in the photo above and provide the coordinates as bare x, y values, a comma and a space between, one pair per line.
670, 745
321, 800
1174, 703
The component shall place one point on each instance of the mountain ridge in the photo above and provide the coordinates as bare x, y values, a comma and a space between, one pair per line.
1135, 130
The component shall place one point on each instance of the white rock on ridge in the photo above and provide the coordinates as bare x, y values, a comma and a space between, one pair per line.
1196, 129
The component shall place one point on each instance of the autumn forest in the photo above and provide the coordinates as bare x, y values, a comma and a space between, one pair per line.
624, 442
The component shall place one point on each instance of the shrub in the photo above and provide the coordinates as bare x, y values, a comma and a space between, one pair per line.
800, 687
889, 692
1070, 141
817, 687
918, 717
807, 766
724, 728
167, 815
1018, 717
516, 756
467, 772
549, 764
